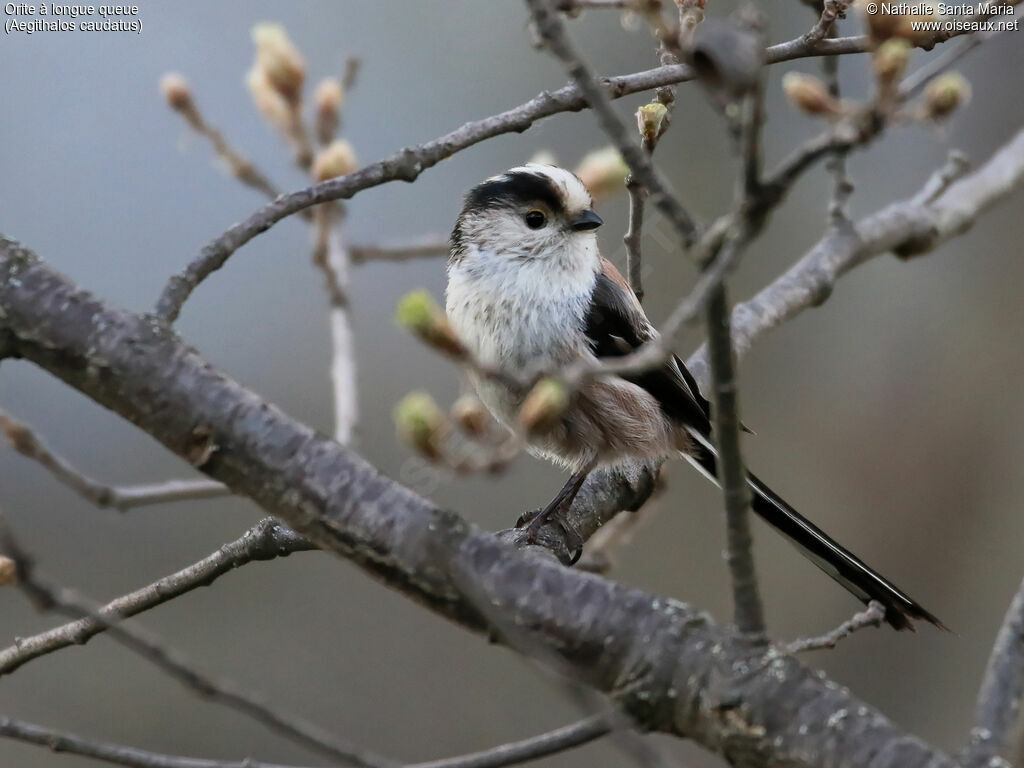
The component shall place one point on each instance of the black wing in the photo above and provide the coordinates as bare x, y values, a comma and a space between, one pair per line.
616, 325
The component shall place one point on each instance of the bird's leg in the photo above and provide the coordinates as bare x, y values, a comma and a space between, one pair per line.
551, 513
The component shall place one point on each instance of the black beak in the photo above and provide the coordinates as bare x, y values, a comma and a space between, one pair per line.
586, 220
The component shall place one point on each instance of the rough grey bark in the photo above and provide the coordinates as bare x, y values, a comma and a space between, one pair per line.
668, 665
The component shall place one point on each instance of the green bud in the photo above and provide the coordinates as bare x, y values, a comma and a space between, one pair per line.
420, 423
544, 406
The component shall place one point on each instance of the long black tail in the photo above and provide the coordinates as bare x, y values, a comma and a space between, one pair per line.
818, 547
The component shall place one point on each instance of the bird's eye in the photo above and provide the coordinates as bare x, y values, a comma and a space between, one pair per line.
536, 219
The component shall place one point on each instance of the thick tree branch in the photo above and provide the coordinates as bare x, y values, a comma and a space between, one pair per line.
669, 667
997, 718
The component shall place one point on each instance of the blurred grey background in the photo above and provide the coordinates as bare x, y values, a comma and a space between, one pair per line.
891, 415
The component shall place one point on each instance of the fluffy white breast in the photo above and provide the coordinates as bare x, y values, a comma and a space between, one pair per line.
520, 313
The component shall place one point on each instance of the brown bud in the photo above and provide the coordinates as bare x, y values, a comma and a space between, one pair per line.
176, 91
809, 94
890, 60
336, 159
884, 21
470, 414
328, 97
420, 423
944, 94
8, 572
270, 103
544, 406
603, 172
280, 60
651, 121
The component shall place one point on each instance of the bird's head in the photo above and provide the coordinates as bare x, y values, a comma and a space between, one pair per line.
533, 212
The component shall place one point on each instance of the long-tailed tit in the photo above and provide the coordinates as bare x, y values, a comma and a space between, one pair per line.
528, 290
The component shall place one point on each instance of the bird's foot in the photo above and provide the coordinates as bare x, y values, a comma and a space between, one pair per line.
536, 519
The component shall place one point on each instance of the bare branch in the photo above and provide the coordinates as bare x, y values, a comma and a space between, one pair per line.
748, 610
832, 10
180, 99
266, 540
997, 717
118, 754
872, 616
842, 187
408, 163
575, 6
47, 596
513, 753
545, 744
908, 227
955, 167
332, 258
27, 443
426, 246
920, 77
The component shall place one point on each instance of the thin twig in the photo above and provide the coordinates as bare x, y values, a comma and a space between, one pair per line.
872, 616
997, 717
266, 540
920, 77
27, 443
842, 187
832, 10
552, 32
550, 743
241, 167
408, 163
47, 596
536, 747
956, 166
427, 246
748, 610
118, 754
573, 6
331, 257
633, 239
